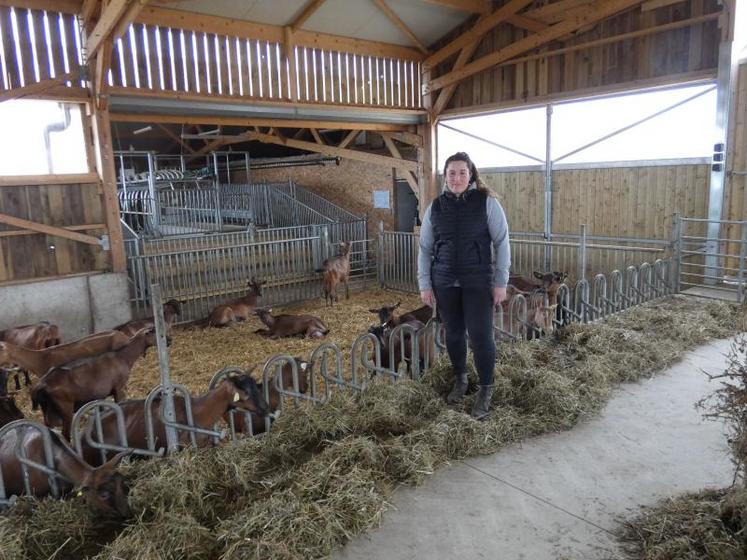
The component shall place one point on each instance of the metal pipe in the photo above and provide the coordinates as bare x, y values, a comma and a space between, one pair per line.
55, 127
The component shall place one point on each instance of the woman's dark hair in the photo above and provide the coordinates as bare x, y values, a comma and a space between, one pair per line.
474, 174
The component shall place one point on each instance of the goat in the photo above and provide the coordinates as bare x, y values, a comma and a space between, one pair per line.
34, 337
66, 388
239, 392
336, 271
539, 317
104, 488
281, 326
286, 376
386, 315
171, 309
39, 362
547, 281
383, 332
238, 309
9, 410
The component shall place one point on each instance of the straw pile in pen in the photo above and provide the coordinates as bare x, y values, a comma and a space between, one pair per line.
325, 473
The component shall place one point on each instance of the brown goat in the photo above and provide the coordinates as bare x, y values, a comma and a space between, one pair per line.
9, 410
286, 373
282, 326
34, 337
171, 309
383, 332
237, 310
64, 389
39, 362
104, 488
238, 392
387, 317
539, 317
336, 271
548, 281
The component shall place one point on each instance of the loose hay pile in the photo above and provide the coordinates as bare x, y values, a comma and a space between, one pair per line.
324, 474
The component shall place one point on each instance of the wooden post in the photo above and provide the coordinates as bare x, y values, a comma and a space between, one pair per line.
427, 167
102, 143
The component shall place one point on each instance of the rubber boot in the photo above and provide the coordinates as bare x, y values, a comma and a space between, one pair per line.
459, 389
481, 408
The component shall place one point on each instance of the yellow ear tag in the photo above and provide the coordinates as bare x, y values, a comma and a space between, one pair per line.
236, 397
79, 493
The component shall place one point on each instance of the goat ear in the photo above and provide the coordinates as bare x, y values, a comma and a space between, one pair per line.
396, 305
112, 463
537, 275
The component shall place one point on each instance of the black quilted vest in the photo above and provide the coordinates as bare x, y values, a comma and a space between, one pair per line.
461, 249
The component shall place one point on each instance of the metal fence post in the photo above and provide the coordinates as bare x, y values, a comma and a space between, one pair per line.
169, 414
325, 242
742, 254
380, 254
582, 254
677, 240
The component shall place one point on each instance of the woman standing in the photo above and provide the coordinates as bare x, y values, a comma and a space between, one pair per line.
455, 269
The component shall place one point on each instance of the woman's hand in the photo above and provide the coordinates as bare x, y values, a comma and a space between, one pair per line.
427, 297
499, 295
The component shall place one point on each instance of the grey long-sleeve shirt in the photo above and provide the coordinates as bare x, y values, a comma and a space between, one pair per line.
498, 228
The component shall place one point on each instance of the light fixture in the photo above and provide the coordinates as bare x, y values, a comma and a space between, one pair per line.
209, 132
141, 130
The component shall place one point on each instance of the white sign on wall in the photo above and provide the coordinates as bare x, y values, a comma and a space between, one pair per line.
381, 199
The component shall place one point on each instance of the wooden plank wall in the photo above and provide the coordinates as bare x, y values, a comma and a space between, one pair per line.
664, 55
617, 202
28, 256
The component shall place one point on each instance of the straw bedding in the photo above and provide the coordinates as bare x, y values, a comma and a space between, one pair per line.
325, 473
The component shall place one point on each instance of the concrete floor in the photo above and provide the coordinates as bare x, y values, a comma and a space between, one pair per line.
560, 496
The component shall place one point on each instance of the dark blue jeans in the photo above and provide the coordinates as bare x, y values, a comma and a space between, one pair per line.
468, 310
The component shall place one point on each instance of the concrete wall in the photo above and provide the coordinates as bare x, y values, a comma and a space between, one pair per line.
79, 305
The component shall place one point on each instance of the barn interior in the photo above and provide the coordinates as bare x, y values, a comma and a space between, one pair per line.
179, 149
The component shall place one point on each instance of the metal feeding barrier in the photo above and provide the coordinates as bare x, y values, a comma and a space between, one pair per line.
585, 302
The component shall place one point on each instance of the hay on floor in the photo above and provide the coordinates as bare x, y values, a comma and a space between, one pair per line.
325, 473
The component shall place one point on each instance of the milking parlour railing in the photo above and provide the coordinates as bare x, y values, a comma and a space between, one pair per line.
328, 371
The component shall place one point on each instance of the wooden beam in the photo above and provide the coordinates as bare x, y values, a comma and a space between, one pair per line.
315, 134
49, 230
484, 7
84, 227
368, 157
700, 77
74, 94
601, 10
129, 16
408, 138
557, 11
527, 23
396, 20
465, 55
192, 21
248, 121
476, 33
471, 6
63, 6
99, 70
33, 180
349, 137
109, 19
176, 138
308, 10
88, 10
290, 56
37, 87
408, 176
654, 4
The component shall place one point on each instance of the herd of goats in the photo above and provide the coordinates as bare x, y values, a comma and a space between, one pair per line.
98, 367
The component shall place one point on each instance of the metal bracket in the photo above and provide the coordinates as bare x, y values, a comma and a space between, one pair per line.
104, 242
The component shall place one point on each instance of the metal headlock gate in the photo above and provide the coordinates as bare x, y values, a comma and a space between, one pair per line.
586, 302
711, 266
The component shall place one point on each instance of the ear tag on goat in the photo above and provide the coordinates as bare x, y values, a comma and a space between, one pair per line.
79, 493
304, 365
236, 397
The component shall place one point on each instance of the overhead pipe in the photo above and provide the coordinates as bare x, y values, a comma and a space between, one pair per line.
55, 127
